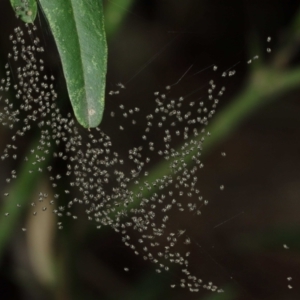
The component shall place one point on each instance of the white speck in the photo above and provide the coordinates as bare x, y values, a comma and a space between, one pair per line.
91, 112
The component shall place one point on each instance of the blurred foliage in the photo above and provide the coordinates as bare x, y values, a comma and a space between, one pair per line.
115, 12
267, 82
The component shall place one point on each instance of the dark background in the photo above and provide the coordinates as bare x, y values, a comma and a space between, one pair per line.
237, 243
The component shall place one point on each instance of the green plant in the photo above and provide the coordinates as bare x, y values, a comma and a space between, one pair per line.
135, 201
81, 43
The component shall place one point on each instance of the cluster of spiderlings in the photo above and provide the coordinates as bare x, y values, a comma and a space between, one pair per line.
183, 122
23, 9
35, 101
111, 196
115, 191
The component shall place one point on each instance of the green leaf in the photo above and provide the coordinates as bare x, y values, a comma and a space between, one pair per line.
26, 10
78, 30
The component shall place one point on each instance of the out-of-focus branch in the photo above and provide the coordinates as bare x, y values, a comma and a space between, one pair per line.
115, 12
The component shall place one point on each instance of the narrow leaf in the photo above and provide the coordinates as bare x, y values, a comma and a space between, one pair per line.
78, 30
26, 10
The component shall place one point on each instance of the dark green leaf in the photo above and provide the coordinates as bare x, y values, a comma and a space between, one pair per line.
25, 10
78, 29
